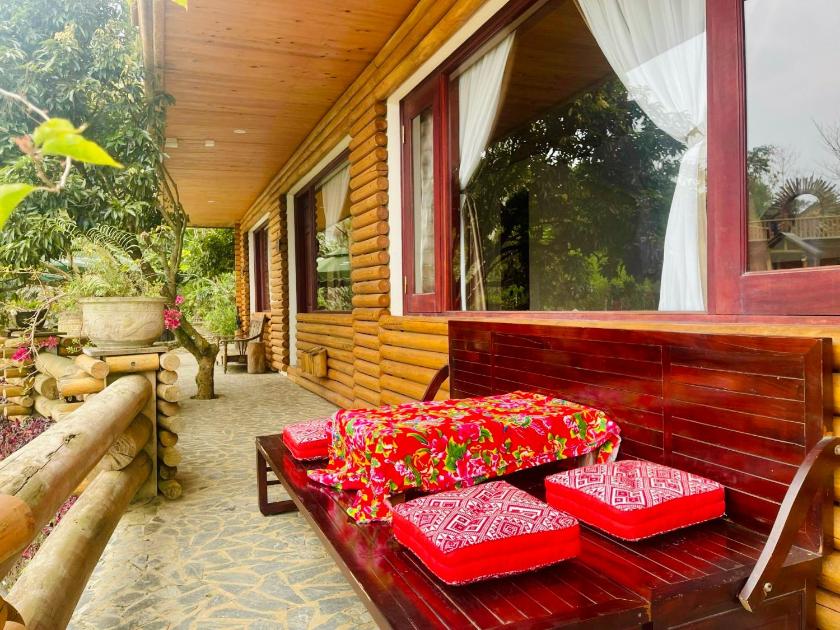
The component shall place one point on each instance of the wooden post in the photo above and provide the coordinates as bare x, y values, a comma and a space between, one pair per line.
169, 393
44, 472
57, 367
95, 367
74, 386
47, 591
128, 445
174, 424
46, 385
130, 363
170, 361
255, 352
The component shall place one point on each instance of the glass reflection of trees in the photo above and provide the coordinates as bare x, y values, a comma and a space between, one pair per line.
572, 207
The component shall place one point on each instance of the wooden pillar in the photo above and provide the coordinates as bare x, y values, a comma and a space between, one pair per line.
369, 248
277, 346
240, 257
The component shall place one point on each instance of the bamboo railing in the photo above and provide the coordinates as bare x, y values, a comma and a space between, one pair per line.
106, 435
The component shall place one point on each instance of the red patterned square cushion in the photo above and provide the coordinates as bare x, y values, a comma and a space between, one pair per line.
634, 499
484, 531
307, 440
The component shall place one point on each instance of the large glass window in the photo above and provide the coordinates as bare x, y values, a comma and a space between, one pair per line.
578, 161
793, 133
323, 234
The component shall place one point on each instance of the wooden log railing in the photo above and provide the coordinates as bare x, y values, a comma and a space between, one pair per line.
38, 478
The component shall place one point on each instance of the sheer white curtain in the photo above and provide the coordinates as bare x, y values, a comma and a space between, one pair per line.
658, 50
479, 95
334, 192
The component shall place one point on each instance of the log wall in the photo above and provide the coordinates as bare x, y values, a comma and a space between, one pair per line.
376, 358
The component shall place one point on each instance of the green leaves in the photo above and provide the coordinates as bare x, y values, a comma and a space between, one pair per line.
10, 196
58, 136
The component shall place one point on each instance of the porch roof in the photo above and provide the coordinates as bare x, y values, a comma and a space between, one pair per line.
270, 69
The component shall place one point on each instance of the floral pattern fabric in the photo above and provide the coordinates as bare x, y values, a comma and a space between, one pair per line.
439, 445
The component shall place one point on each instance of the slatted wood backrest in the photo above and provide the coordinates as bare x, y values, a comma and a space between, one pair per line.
742, 410
256, 324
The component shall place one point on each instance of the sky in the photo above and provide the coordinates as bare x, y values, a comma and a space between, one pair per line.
793, 77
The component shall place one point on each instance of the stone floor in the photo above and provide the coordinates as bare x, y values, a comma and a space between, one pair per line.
210, 559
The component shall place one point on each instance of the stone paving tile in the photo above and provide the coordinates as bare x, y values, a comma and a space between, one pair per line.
210, 560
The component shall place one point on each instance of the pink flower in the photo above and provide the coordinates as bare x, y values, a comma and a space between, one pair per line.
22, 354
179, 299
171, 318
49, 342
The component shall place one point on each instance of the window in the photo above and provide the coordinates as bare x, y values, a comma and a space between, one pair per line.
571, 164
773, 128
423, 244
322, 228
793, 133
261, 296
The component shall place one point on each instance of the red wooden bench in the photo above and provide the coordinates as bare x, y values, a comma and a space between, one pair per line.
749, 412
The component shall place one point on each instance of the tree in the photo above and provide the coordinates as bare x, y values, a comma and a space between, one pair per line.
81, 57
77, 60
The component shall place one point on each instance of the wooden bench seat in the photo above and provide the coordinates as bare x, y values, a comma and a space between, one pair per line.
401, 593
749, 412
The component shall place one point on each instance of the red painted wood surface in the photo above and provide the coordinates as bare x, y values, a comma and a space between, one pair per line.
742, 410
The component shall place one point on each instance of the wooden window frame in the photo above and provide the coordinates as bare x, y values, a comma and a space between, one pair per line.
732, 288
733, 292
306, 241
262, 293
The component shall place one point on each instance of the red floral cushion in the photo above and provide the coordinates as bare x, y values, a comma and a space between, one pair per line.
307, 440
484, 531
634, 499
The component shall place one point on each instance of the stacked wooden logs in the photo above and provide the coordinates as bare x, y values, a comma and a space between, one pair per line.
16, 388
169, 426
413, 349
369, 249
63, 383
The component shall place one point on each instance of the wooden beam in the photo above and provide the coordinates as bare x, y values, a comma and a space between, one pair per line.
45, 471
47, 591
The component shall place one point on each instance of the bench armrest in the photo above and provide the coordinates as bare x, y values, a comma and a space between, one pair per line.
437, 380
813, 474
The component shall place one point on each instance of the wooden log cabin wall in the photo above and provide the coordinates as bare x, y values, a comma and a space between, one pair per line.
374, 357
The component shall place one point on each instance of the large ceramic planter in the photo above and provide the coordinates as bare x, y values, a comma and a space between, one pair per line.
122, 322
70, 323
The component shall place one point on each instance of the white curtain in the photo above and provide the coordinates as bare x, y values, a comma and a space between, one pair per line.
479, 95
658, 50
334, 192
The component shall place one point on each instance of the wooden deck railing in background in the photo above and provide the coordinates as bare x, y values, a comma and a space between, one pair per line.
37, 479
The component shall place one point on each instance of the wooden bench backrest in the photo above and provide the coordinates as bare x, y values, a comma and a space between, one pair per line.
742, 410
256, 324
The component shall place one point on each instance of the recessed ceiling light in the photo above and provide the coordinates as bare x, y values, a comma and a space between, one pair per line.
211, 201
240, 131
172, 143
209, 143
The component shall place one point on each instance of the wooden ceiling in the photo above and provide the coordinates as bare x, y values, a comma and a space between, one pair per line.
554, 58
271, 68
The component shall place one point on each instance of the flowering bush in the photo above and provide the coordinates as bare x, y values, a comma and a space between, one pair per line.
24, 353
171, 318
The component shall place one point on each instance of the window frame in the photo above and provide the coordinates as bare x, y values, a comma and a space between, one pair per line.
429, 95
732, 288
260, 280
306, 240
733, 292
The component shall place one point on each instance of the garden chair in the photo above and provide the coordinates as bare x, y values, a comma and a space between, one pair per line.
240, 344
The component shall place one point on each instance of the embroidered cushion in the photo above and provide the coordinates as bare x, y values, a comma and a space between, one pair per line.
484, 531
307, 440
634, 499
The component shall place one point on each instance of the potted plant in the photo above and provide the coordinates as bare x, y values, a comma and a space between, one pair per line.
120, 306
